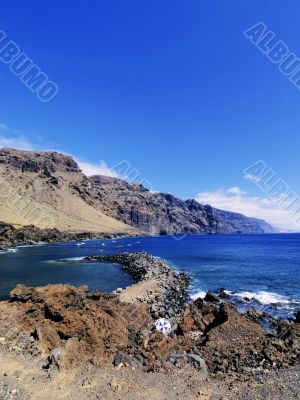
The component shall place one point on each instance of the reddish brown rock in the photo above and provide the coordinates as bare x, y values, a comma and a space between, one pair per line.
69, 326
60, 316
47, 336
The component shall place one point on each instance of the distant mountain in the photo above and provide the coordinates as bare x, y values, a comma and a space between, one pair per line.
263, 225
48, 190
162, 213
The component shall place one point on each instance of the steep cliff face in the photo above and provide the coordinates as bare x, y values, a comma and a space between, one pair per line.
48, 190
230, 222
157, 213
162, 213
38, 162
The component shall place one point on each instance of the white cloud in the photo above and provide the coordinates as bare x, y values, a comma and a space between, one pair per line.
14, 138
18, 142
236, 200
4, 127
90, 169
236, 190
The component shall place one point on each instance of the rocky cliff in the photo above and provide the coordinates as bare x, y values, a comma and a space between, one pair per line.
48, 190
37, 188
162, 213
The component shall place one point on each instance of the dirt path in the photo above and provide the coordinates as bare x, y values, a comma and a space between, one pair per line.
139, 291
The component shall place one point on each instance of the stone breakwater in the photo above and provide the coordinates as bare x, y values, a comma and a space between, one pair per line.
169, 294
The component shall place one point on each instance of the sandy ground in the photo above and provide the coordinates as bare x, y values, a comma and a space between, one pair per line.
139, 291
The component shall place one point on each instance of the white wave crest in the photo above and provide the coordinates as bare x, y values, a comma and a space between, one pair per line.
201, 294
68, 259
9, 251
264, 297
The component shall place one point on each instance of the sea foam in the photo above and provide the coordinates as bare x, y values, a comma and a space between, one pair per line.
264, 297
9, 251
200, 294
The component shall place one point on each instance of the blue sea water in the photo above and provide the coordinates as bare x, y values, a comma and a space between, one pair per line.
256, 270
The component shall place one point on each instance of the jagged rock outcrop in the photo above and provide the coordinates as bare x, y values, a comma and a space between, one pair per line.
38, 162
231, 342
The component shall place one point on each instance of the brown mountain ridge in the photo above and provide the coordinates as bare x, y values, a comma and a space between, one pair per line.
48, 190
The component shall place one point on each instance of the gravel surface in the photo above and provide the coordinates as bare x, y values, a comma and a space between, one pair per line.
21, 380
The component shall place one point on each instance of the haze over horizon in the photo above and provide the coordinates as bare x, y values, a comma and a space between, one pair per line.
176, 90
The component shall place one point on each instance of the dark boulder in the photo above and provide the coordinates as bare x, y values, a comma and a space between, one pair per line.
211, 297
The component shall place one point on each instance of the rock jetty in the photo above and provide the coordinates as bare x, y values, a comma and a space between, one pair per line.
169, 293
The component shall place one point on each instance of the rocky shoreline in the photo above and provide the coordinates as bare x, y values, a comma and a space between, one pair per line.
62, 328
199, 319
30, 235
56, 323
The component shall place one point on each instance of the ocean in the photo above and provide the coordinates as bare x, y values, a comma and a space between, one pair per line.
261, 271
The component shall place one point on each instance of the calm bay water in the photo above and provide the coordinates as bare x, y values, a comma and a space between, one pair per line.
263, 268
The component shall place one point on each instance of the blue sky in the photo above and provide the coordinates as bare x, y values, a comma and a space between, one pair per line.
174, 87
